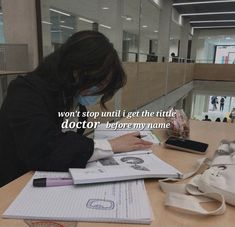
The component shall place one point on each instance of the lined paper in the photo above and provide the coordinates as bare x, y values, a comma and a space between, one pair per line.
125, 202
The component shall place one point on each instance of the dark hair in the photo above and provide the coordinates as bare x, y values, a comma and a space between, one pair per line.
206, 116
218, 119
93, 58
225, 119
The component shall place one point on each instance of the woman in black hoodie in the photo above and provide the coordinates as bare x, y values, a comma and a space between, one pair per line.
85, 70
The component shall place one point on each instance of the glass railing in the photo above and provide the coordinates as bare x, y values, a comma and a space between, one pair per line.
145, 57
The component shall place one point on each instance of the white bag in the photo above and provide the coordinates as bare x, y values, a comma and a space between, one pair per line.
215, 183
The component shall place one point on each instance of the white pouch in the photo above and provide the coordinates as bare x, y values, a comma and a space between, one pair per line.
216, 183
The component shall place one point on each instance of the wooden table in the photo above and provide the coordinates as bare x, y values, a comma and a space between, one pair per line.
209, 132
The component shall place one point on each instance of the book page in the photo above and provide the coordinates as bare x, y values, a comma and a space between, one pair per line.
125, 202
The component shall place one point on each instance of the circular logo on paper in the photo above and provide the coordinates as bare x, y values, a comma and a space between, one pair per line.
222, 167
100, 204
132, 160
50, 224
139, 167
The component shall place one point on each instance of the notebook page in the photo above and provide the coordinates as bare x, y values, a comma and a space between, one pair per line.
101, 132
124, 167
125, 202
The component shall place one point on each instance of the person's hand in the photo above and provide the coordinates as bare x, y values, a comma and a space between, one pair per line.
129, 142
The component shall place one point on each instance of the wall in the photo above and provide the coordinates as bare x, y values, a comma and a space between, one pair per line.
14, 57
148, 81
175, 32
151, 82
205, 40
20, 26
174, 46
214, 72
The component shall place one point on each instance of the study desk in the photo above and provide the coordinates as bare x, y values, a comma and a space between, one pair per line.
208, 132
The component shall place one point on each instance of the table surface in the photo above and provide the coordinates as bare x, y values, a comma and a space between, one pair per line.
208, 132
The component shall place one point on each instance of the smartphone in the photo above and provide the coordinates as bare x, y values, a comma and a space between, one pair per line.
186, 145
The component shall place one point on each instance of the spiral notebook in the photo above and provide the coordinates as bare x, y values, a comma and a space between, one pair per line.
124, 202
124, 166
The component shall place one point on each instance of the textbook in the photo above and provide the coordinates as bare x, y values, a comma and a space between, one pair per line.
122, 202
124, 166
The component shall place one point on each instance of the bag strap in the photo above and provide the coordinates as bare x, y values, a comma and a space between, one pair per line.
181, 188
177, 198
191, 204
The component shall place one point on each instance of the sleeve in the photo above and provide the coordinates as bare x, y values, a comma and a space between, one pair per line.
40, 143
102, 149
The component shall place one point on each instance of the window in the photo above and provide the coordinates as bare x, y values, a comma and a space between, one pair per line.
131, 26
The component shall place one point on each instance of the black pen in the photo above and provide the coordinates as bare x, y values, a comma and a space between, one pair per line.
141, 136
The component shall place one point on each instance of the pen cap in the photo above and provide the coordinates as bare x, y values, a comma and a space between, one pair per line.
41, 182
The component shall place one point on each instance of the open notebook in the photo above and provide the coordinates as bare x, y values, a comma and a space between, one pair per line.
101, 132
124, 202
124, 166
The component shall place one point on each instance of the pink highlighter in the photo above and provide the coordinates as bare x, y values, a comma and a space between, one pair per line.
52, 182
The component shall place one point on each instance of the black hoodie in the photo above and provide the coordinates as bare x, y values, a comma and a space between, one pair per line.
30, 131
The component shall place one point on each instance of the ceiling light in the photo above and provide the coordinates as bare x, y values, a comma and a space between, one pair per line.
192, 31
62, 21
46, 22
105, 8
155, 31
86, 20
144, 26
208, 13
201, 2
228, 38
60, 12
157, 2
68, 27
232, 26
129, 18
105, 26
210, 21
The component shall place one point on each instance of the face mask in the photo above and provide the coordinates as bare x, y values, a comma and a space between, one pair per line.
88, 100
